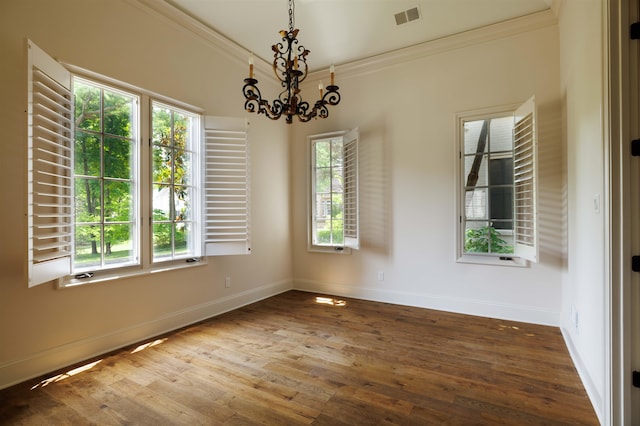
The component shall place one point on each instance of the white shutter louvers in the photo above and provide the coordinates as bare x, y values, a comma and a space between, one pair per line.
226, 199
50, 168
525, 175
350, 161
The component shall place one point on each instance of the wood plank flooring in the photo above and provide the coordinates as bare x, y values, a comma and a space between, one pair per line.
301, 358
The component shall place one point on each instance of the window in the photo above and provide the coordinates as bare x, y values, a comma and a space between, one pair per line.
334, 192
498, 186
102, 205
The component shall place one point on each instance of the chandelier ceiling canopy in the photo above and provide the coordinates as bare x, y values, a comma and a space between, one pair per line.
290, 67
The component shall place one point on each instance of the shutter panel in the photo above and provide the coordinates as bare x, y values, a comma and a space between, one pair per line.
351, 208
49, 169
525, 181
226, 181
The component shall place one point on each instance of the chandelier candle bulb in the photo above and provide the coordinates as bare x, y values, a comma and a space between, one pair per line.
332, 72
251, 66
320, 88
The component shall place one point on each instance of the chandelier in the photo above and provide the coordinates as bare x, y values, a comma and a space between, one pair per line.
290, 67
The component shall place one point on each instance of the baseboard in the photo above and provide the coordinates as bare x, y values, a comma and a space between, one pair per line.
35, 365
589, 386
450, 304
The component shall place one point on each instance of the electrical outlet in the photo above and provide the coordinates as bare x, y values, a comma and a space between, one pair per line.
380, 275
227, 282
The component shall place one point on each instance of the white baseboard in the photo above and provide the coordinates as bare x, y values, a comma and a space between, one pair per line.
450, 304
52, 359
589, 386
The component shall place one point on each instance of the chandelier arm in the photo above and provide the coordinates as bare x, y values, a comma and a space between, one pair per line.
255, 103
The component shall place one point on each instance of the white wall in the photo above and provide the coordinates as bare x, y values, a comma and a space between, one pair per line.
584, 286
44, 328
406, 115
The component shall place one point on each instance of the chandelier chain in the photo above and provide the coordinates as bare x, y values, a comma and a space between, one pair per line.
291, 15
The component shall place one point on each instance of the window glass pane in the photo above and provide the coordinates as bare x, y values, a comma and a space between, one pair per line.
476, 237
87, 154
475, 170
336, 153
323, 180
501, 134
118, 114
337, 234
161, 124
162, 164
183, 237
476, 204
87, 106
118, 154
473, 143
118, 243
118, 201
162, 240
182, 199
501, 171
501, 199
161, 202
88, 246
337, 180
322, 154
182, 170
87, 200
502, 237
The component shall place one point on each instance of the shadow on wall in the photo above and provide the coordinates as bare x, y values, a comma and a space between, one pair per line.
374, 154
551, 194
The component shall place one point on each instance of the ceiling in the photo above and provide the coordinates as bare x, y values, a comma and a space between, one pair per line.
342, 31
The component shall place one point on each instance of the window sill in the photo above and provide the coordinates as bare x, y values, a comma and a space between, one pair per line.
115, 274
480, 259
329, 249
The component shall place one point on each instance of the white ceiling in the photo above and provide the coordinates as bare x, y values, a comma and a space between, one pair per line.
342, 31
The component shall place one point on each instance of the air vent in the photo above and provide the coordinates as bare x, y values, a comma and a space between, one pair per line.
407, 16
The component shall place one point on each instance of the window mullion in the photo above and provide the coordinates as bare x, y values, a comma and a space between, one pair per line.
145, 183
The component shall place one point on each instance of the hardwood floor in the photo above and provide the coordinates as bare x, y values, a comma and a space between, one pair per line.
300, 359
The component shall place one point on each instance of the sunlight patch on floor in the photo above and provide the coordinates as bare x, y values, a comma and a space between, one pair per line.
330, 301
148, 345
66, 375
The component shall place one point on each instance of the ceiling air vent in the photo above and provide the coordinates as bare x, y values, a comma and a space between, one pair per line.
407, 15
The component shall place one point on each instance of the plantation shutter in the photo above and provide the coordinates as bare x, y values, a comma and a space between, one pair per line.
49, 168
350, 162
525, 181
226, 199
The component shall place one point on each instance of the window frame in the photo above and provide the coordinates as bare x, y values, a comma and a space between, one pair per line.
60, 269
515, 259
145, 263
351, 231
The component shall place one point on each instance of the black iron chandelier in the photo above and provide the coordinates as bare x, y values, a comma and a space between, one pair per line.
290, 67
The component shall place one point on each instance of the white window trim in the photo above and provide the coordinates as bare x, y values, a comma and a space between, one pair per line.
61, 270
345, 249
477, 258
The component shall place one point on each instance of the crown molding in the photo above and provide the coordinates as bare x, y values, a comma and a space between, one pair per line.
239, 54
469, 38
